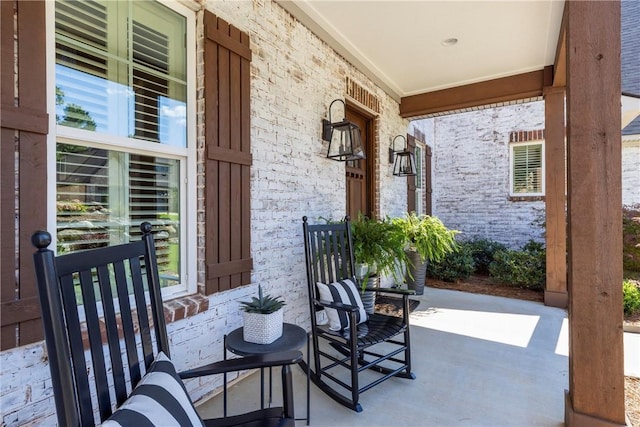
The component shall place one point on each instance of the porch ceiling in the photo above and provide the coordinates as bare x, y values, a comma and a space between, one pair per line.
399, 44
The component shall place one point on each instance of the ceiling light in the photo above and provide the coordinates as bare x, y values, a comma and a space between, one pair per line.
452, 41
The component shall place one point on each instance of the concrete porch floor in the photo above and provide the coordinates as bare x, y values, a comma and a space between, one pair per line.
479, 361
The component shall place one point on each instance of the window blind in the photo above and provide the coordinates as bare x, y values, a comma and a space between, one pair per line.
82, 65
527, 168
121, 70
150, 57
137, 91
89, 203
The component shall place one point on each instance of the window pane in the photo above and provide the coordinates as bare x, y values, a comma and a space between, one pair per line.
121, 76
527, 168
103, 196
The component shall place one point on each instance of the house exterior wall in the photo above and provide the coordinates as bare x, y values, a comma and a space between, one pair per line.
631, 170
471, 173
294, 78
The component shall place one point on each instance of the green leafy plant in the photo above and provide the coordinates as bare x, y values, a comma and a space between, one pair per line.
379, 244
631, 296
427, 235
483, 251
265, 304
456, 265
525, 268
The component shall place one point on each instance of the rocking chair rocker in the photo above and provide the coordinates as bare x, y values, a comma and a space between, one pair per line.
130, 380
378, 342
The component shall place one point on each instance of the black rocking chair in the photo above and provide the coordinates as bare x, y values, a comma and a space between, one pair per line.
381, 344
115, 291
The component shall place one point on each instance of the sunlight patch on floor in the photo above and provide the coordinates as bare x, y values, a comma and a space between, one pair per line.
562, 345
504, 328
632, 354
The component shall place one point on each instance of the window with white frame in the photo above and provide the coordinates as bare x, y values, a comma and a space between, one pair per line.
123, 151
527, 168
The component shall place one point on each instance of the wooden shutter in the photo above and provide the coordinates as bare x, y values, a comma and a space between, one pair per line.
227, 57
22, 152
411, 180
428, 186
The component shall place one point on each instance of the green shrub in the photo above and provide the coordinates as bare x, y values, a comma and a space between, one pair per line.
534, 247
631, 296
455, 265
482, 251
525, 268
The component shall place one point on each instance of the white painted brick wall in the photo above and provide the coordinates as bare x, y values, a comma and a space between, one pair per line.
294, 78
471, 173
631, 171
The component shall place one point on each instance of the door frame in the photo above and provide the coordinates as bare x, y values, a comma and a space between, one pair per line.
372, 160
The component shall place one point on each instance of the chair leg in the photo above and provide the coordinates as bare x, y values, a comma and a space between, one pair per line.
355, 355
287, 393
329, 391
407, 337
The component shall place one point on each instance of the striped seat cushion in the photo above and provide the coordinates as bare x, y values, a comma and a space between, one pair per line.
345, 292
159, 399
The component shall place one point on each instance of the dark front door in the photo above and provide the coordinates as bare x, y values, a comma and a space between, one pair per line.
357, 171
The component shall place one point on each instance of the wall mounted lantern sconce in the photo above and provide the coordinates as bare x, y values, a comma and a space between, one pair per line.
344, 137
404, 163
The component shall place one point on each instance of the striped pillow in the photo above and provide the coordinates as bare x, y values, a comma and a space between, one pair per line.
159, 399
345, 292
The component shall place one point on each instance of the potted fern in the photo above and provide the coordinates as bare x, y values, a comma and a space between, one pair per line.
426, 239
263, 318
378, 249
378, 246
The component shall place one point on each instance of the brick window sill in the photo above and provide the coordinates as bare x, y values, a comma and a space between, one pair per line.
183, 307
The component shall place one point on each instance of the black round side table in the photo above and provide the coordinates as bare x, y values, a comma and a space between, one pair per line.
293, 337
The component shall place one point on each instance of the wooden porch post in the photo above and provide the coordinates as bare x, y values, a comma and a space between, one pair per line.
555, 293
596, 368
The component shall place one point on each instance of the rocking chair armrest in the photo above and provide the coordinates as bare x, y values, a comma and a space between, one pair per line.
337, 305
266, 360
396, 291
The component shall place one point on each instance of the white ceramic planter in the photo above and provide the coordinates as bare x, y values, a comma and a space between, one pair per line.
261, 328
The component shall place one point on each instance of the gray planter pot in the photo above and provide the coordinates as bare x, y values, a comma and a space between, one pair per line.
416, 272
369, 298
261, 328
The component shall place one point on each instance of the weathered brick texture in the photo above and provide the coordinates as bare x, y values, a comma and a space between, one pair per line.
471, 172
294, 78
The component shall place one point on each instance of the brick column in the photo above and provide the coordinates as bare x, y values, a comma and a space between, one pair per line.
555, 293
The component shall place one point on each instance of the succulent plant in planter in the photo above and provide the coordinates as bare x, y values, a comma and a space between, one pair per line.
263, 318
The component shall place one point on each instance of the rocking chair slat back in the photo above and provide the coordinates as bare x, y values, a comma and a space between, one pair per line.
330, 252
80, 283
104, 326
329, 259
